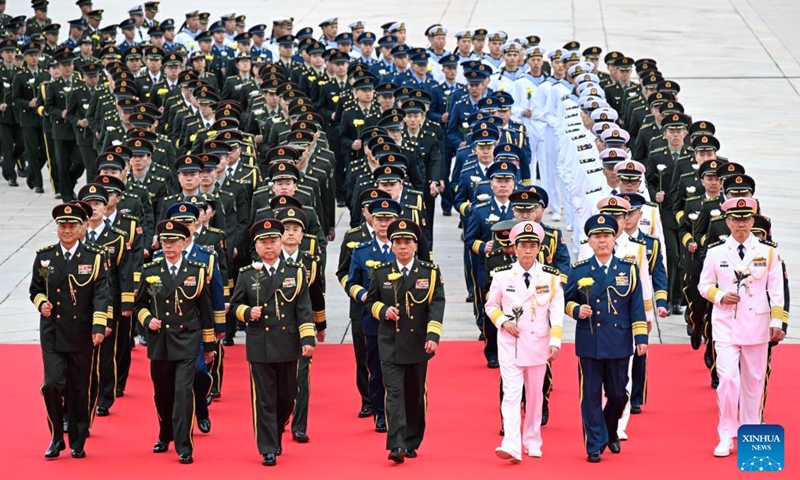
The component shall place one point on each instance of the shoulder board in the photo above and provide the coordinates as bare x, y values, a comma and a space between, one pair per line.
651, 204
503, 267
494, 253
362, 245
205, 248
479, 205
227, 193
415, 192
696, 197
578, 264
628, 261
292, 263
128, 216
551, 270
425, 264
646, 236
45, 249
768, 242
216, 230
584, 241
637, 240
354, 230
119, 231
311, 257
262, 189
659, 149
715, 244
154, 262
688, 174
95, 248
384, 265
172, 196
547, 227
245, 268
195, 264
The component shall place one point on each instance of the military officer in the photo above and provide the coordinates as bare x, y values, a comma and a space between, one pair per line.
70, 289
742, 277
526, 297
406, 297
173, 303
271, 295
9, 127
603, 348
24, 92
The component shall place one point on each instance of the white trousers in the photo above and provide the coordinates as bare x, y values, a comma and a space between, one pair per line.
742, 371
529, 434
626, 414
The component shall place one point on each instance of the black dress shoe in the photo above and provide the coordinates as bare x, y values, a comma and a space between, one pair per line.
410, 453
545, 414
300, 437
215, 394
142, 340
365, 412
380, 427
204, 424
493, 364
697, 339
340, 203
13, 183
241, 327
119, 393
279, 450
677, 309
636, 409
447, 213
78, 453
269, 460
160, 447
102, 411
185, 458
54, 450
38, 190
29, 181
708, 359
594, 457
614, 446
228, 342
470, 298
714, 383
481, 338
396, 455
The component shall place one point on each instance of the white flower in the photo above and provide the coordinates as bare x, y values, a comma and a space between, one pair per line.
382, 72
690, 189
224, 54
259, 111
493, 218
110, 128
693, 216
31, 81
45, 263
723, 237
696, 166
66, 89
257, 265
6, 85
465, 125
41, 58
661, 167
474, 179
254, 93
86, 106
116, 142
715, 213
482, 197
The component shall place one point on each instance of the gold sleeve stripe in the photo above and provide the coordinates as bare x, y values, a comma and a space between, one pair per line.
776, 312
712, 294
435, 327
306, 330
496, 314
354, 292
463, 208
143, 314
110, 312
785, 317
564, 278
219, 317
240, 311
703, 240
639, 328
226, 290
686, 239
376, 309
648, 305
100, 318
343, 281
127, 297
137, 277
230, 283
660, 295
431, 286
476, 247
678, 216
556, 332
320, 316
208, 335
571, 306
39, 299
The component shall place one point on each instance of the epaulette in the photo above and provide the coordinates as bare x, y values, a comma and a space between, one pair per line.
426, 264
119, 231
362, 244
196, 264
551, 270
384, 265
696, 197
579, 263
354, 229
659, 149
292, 263
129, 217
47, 248
627, 260
502, 268
245, 268
637, 240
494, 253
411, 190
644, 235
95, 248
768, 242
216, 230
310, 256
205, 248
688, 174
584, 241
715, 244
651, 204
482, 204
155, 262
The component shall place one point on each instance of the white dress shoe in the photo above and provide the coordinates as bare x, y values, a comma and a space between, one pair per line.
724, 448
534, 452
569, 228
556, 217
622, 435
506, 456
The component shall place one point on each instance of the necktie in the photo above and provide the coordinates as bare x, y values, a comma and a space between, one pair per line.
741, 251
92, 236
386, 250
67, 256
230, 172
674, 156
605, 269
502, 211
404, 271
527, 279
271, 271
173, 270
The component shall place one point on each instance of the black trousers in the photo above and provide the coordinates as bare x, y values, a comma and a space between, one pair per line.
360, 351
88, 155
174, 398
273, 388
300, 413
52, 164
217, 368
70, 167
202, 387
406, 394
448, 195
430, 203
68, 380
8, 136
376, 388
487, 326
595, 376
674, 267
33, 139
639, 380
123, 353
696, 305
107, 369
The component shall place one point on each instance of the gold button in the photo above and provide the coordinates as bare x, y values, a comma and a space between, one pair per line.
180, 301
167, 314
167, 326
167, 301
58, 303
598, 300
267, 329
412, 330
283, 315
58, 316
398, 330
180, 326
283, 328
598, 312
58, 290
412, 317
598, 324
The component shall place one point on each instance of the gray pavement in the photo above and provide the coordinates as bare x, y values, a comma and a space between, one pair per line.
738, 64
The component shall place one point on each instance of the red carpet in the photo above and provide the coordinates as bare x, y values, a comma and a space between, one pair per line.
674, 437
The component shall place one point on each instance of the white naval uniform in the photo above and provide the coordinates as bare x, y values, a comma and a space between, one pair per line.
741, 334
523, 360
528, 95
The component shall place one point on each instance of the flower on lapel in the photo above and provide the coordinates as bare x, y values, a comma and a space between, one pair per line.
493, 218
152, 279
529, 91
110, 128
224, 53
358, 122
352, 245
394, 276
691, 190
116, 142
254, 93
382, 72
335, 99
373, 263
482, 197
86, 106
696, 166
661, 167
235, 46
212, 133
96, 37
162, 91
311, 78
45, 263
693, 216
474, 178
209, 57
192, 44
430, 68
465, 126
585, 282
715, 213
501, 89
66, 89
259, 111
257, 265
8, 85
31, 81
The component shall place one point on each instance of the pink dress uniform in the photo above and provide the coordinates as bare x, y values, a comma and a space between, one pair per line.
741, 332
523, 360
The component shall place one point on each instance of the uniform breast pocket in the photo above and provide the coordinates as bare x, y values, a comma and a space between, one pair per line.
292, 329
761, 307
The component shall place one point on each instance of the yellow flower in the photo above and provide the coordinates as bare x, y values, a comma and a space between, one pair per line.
209, 57
96, 37
322, 82
311, 78
235, 46
373, 263
352, 245
430, 68
358, 123
529, 90
585, 282
162, 91
395, 276
502, 89
152, 279
335, 99
212, 133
